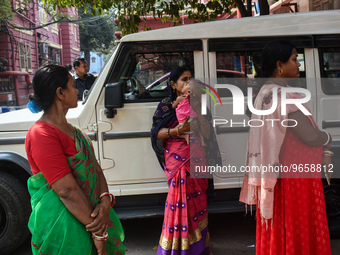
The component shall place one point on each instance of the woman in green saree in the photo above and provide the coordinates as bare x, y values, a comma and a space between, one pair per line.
71, 206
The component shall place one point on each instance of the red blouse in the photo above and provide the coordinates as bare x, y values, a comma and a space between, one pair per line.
47, 151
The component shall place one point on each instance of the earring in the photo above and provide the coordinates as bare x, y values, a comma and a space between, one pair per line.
280, 71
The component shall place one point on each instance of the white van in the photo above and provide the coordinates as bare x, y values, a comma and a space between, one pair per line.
117, 113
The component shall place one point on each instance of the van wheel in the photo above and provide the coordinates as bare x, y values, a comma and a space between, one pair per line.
332, 199
14, 213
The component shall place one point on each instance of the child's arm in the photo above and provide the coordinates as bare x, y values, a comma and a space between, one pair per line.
177, 101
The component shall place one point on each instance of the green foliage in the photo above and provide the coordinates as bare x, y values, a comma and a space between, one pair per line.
6, 12
96, 33
131, 12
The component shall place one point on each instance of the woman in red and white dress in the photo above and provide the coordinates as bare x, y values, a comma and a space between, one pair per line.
291, 212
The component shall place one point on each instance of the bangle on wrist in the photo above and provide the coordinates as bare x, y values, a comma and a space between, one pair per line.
112, 197
100, 238
168, 132
328, 137
328, 153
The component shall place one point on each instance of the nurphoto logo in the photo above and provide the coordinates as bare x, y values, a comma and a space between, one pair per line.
239, 104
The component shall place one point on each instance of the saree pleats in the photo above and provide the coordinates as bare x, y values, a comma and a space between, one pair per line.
185, 226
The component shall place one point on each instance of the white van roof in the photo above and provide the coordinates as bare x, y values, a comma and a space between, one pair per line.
304, 23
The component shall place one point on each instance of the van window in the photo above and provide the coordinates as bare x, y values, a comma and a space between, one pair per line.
239, 59
241, 67
330, 70
236, 68
144, 68
151, 72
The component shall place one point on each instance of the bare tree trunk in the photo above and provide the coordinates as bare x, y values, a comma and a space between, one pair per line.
264, 7
249, 9
87, 56
241, 8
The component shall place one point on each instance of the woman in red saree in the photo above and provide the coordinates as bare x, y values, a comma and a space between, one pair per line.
71, 208
185, 226
291, 213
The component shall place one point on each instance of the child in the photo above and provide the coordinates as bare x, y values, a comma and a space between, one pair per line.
184, 109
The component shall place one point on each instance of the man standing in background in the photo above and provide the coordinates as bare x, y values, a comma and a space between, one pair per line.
82, 78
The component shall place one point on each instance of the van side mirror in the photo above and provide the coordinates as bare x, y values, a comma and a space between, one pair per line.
113, 98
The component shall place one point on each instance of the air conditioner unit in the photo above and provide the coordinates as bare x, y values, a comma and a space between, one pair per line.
56, 57
43, 48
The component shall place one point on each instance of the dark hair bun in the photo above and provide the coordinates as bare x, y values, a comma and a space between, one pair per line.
46, 80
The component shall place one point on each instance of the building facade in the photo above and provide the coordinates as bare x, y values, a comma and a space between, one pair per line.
287, 6
28, 44
96, 63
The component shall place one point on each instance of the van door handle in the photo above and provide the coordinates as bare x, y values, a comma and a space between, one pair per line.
330, 123
105, 163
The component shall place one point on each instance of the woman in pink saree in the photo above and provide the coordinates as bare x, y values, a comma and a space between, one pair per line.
291, 213
185, 226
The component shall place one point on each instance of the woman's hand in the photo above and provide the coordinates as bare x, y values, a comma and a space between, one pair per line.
101, 215
306, 132
178, 130
100, 246
187, 126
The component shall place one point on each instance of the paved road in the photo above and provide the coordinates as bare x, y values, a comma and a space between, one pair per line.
231, 234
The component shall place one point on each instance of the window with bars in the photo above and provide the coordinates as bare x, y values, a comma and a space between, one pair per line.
42, 15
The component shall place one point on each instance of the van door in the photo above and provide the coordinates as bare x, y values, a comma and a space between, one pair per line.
236, 62
230, 66
143, 68
327, 64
